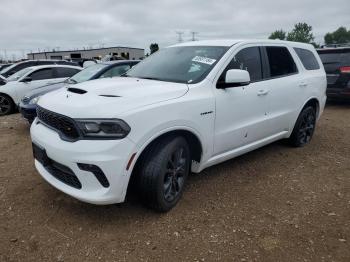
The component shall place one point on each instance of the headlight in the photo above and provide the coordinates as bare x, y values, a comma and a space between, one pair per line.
103, 128
34, 100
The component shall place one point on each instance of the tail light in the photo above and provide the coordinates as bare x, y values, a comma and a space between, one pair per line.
345, 69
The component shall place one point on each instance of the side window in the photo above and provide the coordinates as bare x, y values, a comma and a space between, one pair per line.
280, 61
248, 59
63, 72
307, 58
41, 74
115, 71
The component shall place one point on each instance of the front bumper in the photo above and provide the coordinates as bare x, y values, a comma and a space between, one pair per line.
28, 111
111, 156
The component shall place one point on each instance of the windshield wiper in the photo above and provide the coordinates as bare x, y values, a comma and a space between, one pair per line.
71, 81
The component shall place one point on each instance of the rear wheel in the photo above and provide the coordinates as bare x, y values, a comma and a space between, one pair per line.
304, 127
163, 173
6, 105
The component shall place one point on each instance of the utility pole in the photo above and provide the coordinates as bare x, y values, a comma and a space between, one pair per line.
194, 35
179, 33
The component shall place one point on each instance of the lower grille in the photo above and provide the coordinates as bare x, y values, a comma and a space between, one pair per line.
57, 170
62, 124
64, 174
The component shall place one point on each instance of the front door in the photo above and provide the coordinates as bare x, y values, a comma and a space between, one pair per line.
241, 111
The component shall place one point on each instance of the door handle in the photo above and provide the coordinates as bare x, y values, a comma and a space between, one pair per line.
263, 92
302, 84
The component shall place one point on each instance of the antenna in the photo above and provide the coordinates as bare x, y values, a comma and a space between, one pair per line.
194, 35
179, 33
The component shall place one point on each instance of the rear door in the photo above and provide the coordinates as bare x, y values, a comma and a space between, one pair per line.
284, 84
62, 73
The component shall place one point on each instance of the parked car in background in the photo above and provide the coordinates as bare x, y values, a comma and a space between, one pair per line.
7, 72
27, 106
3, 66
3, 79
336, 62
185, 108
31, 78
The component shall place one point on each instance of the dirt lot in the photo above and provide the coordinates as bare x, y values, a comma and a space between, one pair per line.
275, 204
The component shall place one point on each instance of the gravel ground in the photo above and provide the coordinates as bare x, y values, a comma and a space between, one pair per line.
274, 204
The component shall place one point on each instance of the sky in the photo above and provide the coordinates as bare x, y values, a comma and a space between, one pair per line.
33, 25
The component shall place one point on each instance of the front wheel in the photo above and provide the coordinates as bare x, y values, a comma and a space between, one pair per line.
6, 105
163, 173
304, 127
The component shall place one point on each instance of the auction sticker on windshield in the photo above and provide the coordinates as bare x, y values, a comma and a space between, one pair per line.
203, 60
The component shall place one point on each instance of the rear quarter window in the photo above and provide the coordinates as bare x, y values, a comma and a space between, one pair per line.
307, 58
280, 61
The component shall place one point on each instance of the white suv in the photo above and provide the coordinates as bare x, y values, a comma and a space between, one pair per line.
183, 109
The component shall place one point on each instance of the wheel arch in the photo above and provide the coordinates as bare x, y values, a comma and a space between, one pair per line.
315, 103
193, 140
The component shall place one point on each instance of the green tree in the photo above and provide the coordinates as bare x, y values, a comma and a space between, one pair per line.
339, 36
302, 32
154, 48
278, 34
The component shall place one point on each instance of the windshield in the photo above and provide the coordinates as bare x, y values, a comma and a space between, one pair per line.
86, 74
19, 74
182, 64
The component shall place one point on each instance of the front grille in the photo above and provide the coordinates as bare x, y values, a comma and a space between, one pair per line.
63, 124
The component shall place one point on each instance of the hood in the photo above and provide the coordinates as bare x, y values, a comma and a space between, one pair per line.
44, 89
107, 98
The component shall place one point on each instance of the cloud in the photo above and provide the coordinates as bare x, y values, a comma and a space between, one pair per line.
38, 24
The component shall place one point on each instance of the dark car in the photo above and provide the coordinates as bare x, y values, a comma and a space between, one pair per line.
7, 72
3, 66
336, 62
27, 106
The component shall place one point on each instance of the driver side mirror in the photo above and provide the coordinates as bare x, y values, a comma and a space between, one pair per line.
234, 78
27, 79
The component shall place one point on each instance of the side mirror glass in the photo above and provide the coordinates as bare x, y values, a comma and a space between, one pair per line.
27, 79
234, 78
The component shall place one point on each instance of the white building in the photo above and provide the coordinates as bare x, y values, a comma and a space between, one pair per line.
98, 53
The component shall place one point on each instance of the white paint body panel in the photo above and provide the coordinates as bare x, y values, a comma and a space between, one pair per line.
242, 118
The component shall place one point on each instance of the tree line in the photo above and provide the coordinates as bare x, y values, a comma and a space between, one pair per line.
302, 32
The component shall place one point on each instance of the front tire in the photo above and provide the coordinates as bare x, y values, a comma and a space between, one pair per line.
163, 173
304, 127
6, 105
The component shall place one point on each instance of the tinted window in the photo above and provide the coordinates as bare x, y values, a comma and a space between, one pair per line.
248, 59
65, 72
115, 71
307, 58
42, 74
280, 61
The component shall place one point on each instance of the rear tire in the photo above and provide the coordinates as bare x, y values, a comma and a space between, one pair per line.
6, 105
163, 173
304, 127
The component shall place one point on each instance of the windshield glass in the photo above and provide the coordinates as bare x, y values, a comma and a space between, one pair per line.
86, 74
19, 74
182, 64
